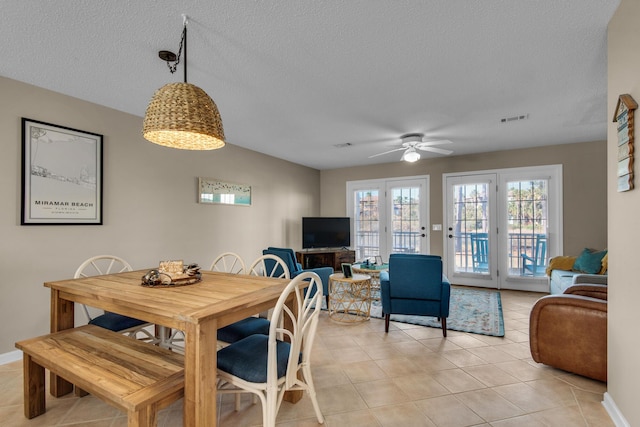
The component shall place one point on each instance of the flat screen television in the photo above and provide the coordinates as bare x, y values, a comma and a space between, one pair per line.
326, 232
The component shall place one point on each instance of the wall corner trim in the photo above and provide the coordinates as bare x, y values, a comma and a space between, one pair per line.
613, 411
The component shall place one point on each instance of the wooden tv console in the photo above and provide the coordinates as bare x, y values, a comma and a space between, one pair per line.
325, 258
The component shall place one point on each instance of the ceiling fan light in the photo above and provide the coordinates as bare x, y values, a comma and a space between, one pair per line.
181, 115
411, 155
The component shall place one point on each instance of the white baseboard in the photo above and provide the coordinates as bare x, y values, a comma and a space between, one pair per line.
613, 411
12, 356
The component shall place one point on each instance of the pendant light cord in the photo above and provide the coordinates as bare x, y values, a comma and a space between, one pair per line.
173, 65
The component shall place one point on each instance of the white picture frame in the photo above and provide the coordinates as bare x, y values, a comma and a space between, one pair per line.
215, 191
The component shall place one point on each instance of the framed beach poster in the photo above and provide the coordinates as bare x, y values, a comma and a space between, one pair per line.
61, 175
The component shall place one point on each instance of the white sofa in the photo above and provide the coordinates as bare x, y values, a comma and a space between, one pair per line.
560, 280
588, 267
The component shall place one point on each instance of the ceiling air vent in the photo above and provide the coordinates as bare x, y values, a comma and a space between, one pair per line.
345, 145
514, 118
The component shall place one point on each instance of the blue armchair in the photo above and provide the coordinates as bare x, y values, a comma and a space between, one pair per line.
295, 268
415, 285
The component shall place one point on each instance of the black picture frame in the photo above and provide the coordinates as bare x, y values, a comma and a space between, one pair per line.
62, 175
346, 270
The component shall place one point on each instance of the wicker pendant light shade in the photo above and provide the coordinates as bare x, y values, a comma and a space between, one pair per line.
181, 115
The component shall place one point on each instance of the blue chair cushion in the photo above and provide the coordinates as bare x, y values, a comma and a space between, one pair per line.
243, 328
116, 322
247, 358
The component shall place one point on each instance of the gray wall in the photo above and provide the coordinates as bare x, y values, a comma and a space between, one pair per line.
150, 208
584, 182
624, 222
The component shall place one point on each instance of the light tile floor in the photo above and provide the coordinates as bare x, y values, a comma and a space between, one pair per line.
411, 376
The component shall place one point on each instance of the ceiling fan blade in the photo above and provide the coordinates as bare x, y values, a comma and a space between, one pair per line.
435, 150
387, 152
430, 143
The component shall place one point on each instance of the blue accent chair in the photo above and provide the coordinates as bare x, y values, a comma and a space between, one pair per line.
295, 268
415, 285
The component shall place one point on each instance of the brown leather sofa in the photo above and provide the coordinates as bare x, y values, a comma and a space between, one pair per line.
569, 331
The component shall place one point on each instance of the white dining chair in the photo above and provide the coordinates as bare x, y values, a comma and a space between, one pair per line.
265, 265
110, 264
270, 266
269, 365
228, 262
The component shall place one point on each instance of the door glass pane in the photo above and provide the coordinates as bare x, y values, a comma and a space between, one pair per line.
471, 227
405, 220
527, 205
366, 224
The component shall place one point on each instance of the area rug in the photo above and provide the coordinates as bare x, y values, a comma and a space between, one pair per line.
478, 311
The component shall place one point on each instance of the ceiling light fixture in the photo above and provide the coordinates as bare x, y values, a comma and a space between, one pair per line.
411, 155
181, 115
411, 143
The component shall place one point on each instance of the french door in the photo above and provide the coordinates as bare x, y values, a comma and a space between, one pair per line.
388, 216
503, 226
471, 230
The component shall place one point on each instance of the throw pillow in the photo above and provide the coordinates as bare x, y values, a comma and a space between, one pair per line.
589, 261
560, 263
605, 264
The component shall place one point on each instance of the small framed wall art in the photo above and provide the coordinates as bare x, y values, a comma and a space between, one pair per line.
624, 117
215, 191
61, 175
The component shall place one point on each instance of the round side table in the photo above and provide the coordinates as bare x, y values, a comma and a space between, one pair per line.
373, 271
349, 298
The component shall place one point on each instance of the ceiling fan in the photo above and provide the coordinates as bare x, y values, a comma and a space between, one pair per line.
415, 141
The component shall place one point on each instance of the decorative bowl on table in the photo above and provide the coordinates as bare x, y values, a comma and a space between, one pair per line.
171, 274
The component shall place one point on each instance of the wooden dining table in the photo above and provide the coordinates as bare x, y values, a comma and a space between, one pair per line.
198, 310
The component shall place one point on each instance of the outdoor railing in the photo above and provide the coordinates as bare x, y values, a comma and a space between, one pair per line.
517, 244
367, 244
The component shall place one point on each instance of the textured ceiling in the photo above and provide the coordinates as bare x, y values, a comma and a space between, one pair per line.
295, 78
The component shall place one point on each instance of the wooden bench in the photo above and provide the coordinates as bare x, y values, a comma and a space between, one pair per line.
135, 377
